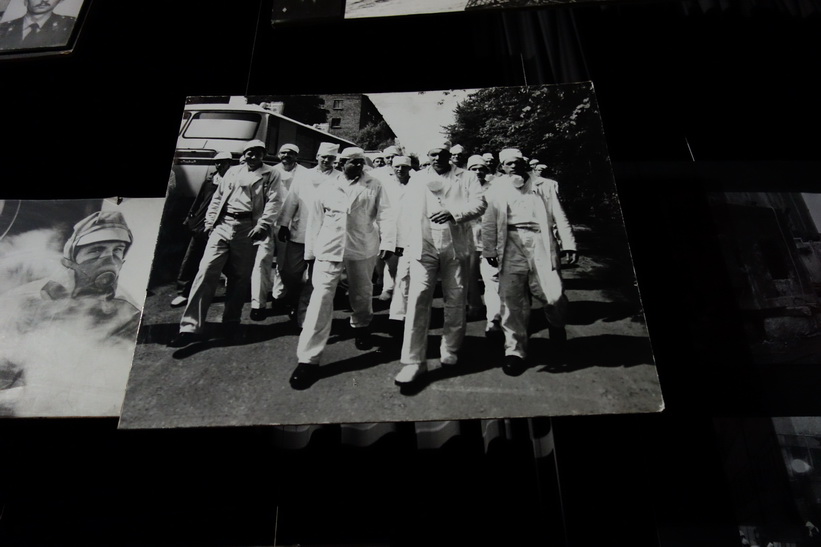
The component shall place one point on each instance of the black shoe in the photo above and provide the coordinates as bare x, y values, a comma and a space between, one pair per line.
304, 376
362, 341
558, 337
184, 339
258, 314
513, 365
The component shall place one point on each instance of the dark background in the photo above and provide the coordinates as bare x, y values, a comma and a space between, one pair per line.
693, 99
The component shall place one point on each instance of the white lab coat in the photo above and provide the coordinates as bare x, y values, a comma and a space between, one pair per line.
351, 226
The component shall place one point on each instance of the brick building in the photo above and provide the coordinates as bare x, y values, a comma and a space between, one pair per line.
348, 113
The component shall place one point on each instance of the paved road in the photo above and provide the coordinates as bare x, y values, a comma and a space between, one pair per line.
609, 368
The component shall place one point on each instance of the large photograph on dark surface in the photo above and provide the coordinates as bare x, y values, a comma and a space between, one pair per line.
387, 257
772, 248
72, 284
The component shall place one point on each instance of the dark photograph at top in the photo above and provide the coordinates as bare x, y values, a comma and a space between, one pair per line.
37, 24
294, 11
391, 257
772, 248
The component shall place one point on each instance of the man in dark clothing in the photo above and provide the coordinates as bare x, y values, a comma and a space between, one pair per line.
195, 222
39, 27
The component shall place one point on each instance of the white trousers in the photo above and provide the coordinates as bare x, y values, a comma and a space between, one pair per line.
265, 279
518, 284
399, 299
229, 240
490, 278
318, 318
423, 274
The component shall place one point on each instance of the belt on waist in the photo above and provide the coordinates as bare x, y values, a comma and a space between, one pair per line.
523, 227
239, 216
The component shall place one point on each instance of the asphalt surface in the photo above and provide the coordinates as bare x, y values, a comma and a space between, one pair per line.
608, 366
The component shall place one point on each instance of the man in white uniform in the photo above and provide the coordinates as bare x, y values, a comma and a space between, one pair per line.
350, 224
265, 279
436, 235
518, 237
241, 214
293, 269
480, 268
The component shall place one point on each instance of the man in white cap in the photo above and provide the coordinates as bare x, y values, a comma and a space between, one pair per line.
459, 156
395, 287
436, 235
240, 216
293, 220
265, 278
480, 268
518, 237
350, 224
195, 222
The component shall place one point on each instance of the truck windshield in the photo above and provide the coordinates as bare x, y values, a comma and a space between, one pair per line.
223, 125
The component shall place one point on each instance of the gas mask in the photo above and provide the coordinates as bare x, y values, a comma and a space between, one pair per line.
517, 181
435, 184
95, 277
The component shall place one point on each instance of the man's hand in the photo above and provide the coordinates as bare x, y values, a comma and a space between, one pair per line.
441, 217
258, 233
493, 261
284, 234
399, 251
384, 255
572, 256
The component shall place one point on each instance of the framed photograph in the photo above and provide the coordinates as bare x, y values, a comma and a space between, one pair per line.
72, 285
411, 281
39, 27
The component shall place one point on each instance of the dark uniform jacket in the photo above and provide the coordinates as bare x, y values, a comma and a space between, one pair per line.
55, 32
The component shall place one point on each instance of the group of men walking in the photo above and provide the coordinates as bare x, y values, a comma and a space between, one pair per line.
456, 219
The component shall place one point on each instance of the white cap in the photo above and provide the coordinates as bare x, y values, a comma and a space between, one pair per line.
328, 149
256, 143
476, 160
533, 162
401, 160
223, 156
352, 152
288, 147
457, 149
488, 157
439, 145
510, 154
391, 151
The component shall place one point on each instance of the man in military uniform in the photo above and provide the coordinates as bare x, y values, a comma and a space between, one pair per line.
39, 27
240, 216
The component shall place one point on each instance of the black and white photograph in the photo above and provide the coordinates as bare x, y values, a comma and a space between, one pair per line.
72, 284
384, 8
773, 469
407, 256
771, 245
37, 25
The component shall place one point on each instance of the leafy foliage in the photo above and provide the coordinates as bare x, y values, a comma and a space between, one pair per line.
375, 136
558, 125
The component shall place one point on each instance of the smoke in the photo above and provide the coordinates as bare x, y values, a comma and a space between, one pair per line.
63, 357
29, 256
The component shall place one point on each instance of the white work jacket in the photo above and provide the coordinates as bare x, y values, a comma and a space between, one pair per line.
297, 204
266, 199
351, 221
494, 222
462, 195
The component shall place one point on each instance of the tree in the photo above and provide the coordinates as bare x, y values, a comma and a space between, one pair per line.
375, 136
559, 125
